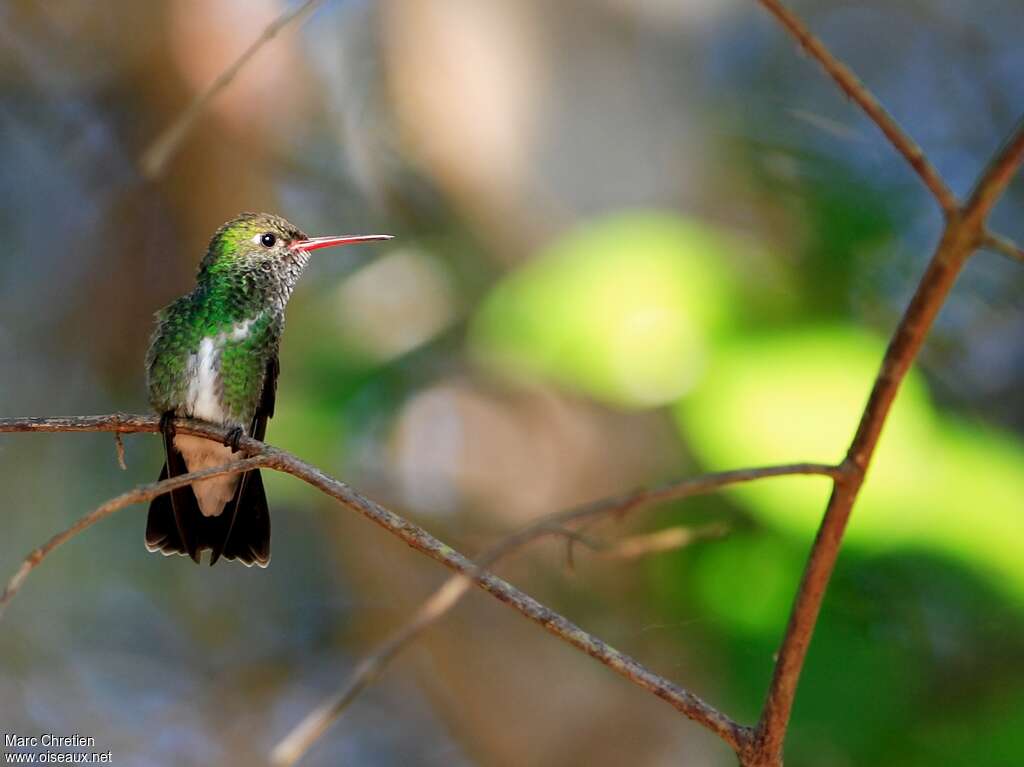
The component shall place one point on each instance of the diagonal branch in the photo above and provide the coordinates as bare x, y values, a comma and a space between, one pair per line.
997, 176
137, 495
302, 737
1003, 245
852, 86
164, 146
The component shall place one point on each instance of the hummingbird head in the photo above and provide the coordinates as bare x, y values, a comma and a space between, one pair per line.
268, 248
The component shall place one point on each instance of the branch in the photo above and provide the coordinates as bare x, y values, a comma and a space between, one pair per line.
669, 539
851, 85
964, 232
138, 495
416, 537
302, 737
164, 146
997, 176
1003, 245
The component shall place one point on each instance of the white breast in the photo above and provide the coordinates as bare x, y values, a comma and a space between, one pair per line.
204, 391
204, 402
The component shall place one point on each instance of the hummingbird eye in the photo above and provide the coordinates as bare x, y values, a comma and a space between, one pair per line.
268, 239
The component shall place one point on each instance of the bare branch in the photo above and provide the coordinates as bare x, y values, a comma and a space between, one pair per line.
137, 495
963, 233
669, 539
119, 449
1004, 245
297, 742
290, 749
157, 155
997, 176
851, 85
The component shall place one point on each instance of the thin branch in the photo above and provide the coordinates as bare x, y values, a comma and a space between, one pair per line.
293, 746
302, 737
157, 155
1003, 245
119, 449
997, 176
669, 539
137, 495
852, 86
963, 234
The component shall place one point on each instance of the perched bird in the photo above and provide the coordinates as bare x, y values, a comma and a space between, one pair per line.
214, 357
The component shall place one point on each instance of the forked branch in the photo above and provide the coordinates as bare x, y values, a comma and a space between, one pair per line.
963, 234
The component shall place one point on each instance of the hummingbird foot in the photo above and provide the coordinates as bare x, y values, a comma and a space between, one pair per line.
233, 438
167, 424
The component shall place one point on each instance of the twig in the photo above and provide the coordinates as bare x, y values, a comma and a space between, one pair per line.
1004, 245
156, 156
119, 449
296, 743
669, 539
993, 182
851, 85
292, 747
302, 737
964, 232
137, 495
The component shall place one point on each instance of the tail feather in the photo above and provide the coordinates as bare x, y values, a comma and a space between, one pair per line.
248, 538
175, 524
162, 532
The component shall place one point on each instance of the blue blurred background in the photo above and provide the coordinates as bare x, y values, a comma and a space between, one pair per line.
636, 240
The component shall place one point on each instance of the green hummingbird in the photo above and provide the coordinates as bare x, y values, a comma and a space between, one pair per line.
214, 357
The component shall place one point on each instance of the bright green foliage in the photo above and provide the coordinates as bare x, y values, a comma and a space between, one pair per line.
623, 309
935, 483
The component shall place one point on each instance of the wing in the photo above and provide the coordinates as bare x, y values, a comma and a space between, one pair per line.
257, 430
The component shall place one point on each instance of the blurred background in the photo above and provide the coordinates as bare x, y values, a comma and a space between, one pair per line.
636, 240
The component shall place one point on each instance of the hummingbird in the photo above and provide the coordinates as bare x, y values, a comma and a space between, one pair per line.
214, 357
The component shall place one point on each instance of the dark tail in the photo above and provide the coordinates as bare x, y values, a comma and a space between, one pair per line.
176, 526
247, 538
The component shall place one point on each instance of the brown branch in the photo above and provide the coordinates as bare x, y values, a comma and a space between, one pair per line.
1003, 245
137, 495
669, 539
119, 449
291, 748
164, 146
417, 538
993, 182
964, 232
852, 86
296, 743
